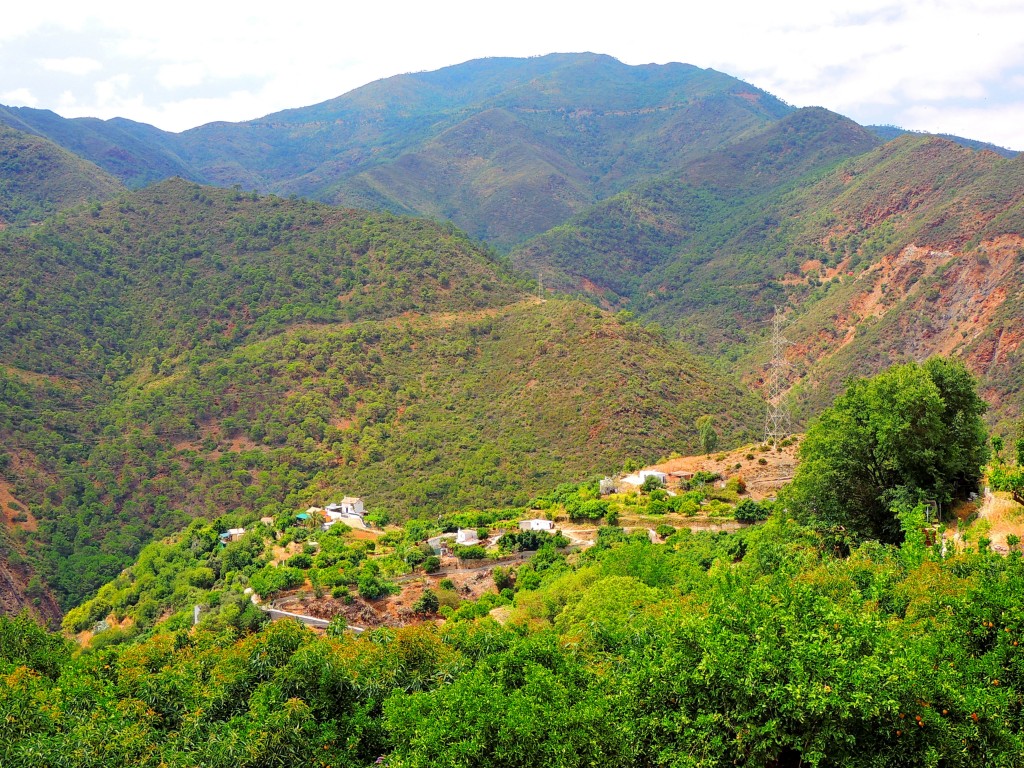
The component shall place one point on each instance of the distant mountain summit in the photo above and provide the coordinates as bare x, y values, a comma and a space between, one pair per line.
505, 148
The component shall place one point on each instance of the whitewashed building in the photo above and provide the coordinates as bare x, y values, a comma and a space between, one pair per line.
351, 506
536, 525
467, 537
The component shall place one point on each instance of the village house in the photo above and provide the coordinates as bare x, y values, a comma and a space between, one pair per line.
440, 543
232, 534
350, 506
467, 537
638, 478
536, 525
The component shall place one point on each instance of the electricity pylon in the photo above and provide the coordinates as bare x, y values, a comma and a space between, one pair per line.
777, 425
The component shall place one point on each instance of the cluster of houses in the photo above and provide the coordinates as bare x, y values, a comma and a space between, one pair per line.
350, 510
609, 485
468, 537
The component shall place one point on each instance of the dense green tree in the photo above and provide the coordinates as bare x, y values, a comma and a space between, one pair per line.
707, 433
912, 430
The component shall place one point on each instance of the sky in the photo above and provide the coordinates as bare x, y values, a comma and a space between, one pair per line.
930, 65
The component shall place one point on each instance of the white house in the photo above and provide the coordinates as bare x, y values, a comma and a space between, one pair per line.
350, 506
606, 486
232, 534
467, 537
643, 474
536, 525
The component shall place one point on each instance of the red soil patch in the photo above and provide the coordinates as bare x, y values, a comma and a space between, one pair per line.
10, 507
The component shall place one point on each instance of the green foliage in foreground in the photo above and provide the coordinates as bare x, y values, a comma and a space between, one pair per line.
711, 650
912, 431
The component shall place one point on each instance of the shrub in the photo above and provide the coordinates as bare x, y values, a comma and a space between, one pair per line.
270, 580
651, 483
427, 603
301, 560
474, 552
432, 564
372, 587
337, 627
504, 578
749, 511
594, 509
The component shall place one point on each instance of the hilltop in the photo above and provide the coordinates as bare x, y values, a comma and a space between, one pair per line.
504, 148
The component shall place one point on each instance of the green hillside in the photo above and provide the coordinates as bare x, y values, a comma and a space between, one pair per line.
184, 350
38, 178
172, 274
756, 648
652, 244
832, 247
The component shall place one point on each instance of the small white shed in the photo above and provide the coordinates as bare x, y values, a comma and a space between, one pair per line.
467, 537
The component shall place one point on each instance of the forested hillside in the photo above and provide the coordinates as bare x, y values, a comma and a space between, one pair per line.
187, 351
909, 250
757, 648
38, 178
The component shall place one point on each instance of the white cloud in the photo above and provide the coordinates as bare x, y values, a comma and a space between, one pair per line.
182, 75
72, 65
110, 92
999, 125
20, 97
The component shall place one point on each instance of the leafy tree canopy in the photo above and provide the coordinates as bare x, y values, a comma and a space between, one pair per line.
913, 429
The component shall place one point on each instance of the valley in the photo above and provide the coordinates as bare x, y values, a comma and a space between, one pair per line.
425, 426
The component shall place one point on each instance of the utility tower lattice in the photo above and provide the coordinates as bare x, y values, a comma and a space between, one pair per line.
777, 424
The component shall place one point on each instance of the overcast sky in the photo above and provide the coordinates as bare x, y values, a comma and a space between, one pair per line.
945, 67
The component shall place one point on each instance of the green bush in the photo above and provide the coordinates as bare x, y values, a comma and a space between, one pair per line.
269, 579
749, 511
427, 603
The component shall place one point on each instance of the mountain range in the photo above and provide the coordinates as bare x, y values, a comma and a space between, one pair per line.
249, 316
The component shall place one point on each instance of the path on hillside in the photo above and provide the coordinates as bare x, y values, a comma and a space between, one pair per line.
996, 510
276, 614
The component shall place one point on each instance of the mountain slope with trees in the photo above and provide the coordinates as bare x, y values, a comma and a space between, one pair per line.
187, 350
38, 178
863, 256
